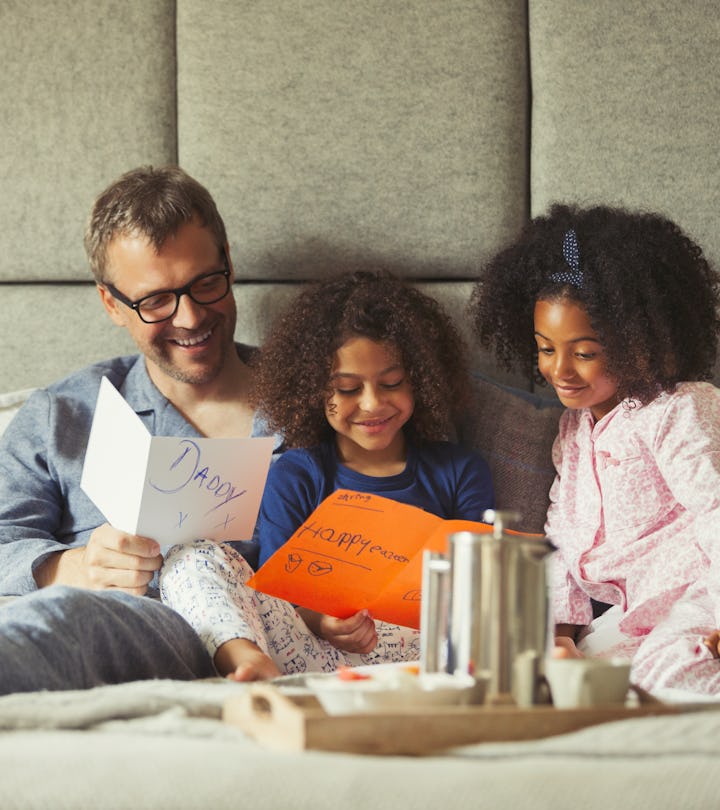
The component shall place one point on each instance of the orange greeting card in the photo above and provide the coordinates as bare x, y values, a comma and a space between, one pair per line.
359, 550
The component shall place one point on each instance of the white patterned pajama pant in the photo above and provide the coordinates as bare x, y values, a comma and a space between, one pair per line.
205, 582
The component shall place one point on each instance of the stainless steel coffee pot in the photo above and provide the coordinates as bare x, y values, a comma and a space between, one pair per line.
484, 610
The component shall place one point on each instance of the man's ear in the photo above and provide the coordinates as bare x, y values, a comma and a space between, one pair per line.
112, 305
229, 261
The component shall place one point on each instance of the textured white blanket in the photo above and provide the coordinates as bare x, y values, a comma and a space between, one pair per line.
94, 708
156, 744
194, 707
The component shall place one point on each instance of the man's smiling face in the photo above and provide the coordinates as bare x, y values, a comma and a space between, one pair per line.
191, 346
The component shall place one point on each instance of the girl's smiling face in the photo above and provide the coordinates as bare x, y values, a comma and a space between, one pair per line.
371, 399
571, 358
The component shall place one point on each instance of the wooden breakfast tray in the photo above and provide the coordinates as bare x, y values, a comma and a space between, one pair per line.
298, 722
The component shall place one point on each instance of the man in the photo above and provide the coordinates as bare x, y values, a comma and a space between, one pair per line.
158, 249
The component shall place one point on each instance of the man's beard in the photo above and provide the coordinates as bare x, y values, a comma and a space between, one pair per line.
158, 353
198, 376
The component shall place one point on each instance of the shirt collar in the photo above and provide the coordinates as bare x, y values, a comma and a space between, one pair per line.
161, 416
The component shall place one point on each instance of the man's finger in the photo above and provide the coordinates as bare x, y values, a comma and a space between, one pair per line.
116, 560
137, 545
120, 578
106, 536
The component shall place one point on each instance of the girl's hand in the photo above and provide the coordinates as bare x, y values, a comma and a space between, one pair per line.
565, 648
356, 634
565, 635
712, 642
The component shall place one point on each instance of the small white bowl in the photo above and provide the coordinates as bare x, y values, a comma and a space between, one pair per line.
390, 689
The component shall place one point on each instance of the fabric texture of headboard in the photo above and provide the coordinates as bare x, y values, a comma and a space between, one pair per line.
416, 135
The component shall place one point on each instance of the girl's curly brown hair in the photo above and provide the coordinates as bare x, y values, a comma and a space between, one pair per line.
650, 294
291, 384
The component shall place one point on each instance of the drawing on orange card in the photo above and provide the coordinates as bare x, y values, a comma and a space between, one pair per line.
356, 551
352, 547
319, 568
398, 602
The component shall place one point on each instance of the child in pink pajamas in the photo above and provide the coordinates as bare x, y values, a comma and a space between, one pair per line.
624, 311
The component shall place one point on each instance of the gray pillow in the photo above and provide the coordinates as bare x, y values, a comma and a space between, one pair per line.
514, 431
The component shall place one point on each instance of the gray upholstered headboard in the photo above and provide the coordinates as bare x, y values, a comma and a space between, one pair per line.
418, 135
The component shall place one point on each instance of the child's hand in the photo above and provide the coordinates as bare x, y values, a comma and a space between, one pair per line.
565, 648
712, 642
356, 634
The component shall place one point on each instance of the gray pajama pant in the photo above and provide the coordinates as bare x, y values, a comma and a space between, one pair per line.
70, 638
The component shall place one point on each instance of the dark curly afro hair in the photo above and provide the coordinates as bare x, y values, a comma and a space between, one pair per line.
291, 384
651, 296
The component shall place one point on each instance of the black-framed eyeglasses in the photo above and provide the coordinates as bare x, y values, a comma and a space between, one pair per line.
162, 305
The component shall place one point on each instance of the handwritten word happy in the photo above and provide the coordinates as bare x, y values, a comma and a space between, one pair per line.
349, 542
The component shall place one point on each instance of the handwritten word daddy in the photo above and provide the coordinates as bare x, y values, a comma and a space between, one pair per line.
188, 470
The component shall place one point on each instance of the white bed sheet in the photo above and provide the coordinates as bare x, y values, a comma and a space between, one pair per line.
161, 744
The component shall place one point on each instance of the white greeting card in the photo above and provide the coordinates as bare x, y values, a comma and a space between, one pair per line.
172, 489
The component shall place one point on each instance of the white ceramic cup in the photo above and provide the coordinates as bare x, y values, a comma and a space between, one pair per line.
587, 681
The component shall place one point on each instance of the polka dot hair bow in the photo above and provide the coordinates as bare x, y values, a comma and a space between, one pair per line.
571, 253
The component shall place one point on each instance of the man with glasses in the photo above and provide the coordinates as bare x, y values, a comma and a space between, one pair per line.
158, 250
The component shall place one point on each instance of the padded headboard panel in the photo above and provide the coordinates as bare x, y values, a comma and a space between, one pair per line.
626, 108
338, 133
416, 135
87, 90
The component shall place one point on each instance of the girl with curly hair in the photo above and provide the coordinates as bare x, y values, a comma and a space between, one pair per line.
364, 376
618, 312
